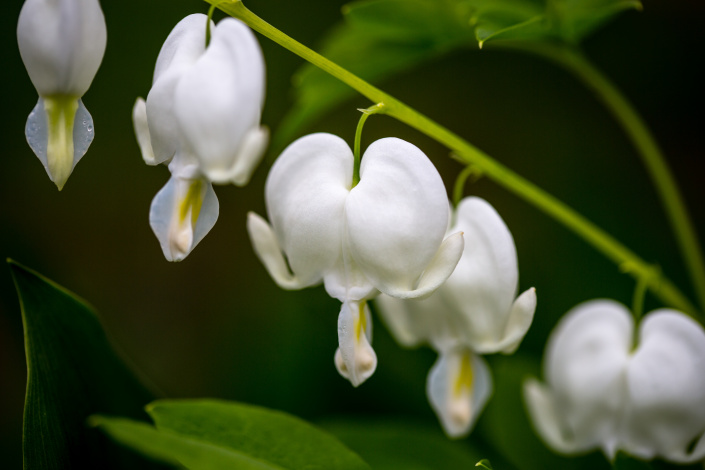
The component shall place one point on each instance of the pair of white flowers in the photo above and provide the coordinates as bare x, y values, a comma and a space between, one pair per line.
611, 390
389, 234
201, 118
62, 45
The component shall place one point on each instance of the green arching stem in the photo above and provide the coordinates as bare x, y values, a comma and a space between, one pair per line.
378, 108
211, 10
575, 62
601, 240
642, 284
460, 182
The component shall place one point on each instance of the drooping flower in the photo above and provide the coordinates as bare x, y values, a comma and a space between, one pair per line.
475, 312
603, 392
201, 117
386, 234
62, 43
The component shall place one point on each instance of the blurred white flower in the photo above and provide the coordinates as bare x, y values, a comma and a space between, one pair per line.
475, 312
385, 234
202, 118
62, 43
604, 392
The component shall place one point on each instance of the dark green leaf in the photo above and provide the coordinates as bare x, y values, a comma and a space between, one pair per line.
72, 373
261, 435
393, 445
176, 449
574, 19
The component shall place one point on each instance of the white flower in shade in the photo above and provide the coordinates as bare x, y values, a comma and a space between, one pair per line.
62, 44
202, 118
384, 234
608, 390
475, 312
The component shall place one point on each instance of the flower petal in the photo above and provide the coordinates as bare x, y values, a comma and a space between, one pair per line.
355, 359
305, 195
667, 388
520, 317
396, 216
251, 152
59, 132
182, 48
267, 249
61, 44
585, 366
181, 214
458, 388
218, 102
483, 286
546, 417
139, 122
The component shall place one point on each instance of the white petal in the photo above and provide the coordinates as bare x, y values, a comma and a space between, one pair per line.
251, 153
355, 359
520, 317
458, 388
182, 48
305, 195
409, 321
218, 101
483, 286
585, 366
267, 249
397, 215
547, 418
59, 132
139, 122
667, 387
62, 44
182, 213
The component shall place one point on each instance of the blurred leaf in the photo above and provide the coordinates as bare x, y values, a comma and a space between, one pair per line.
389, 445
209, 434
380, 38
72, 373
377, 39
176, 449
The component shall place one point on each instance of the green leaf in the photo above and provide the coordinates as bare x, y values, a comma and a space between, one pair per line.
176, 449
203, 434
378, 38
72, 373
575, 19
393, 445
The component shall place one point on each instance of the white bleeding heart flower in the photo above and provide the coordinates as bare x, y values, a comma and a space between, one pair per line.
608, 390
476, 311
62, 43
386, 234
201, 117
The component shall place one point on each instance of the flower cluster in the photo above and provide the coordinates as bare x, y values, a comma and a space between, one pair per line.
386, 234
474, 312
201, 118
603, 392
62, 43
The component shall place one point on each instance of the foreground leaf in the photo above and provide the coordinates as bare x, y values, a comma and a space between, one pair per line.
393, 445
72, 373
210, 434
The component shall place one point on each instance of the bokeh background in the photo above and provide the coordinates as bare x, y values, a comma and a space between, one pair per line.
216, 325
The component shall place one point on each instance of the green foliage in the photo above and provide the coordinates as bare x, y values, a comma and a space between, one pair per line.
212, 434
380, 38
392, 445
72, 373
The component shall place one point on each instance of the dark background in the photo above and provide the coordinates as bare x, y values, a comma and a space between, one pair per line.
216, 325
